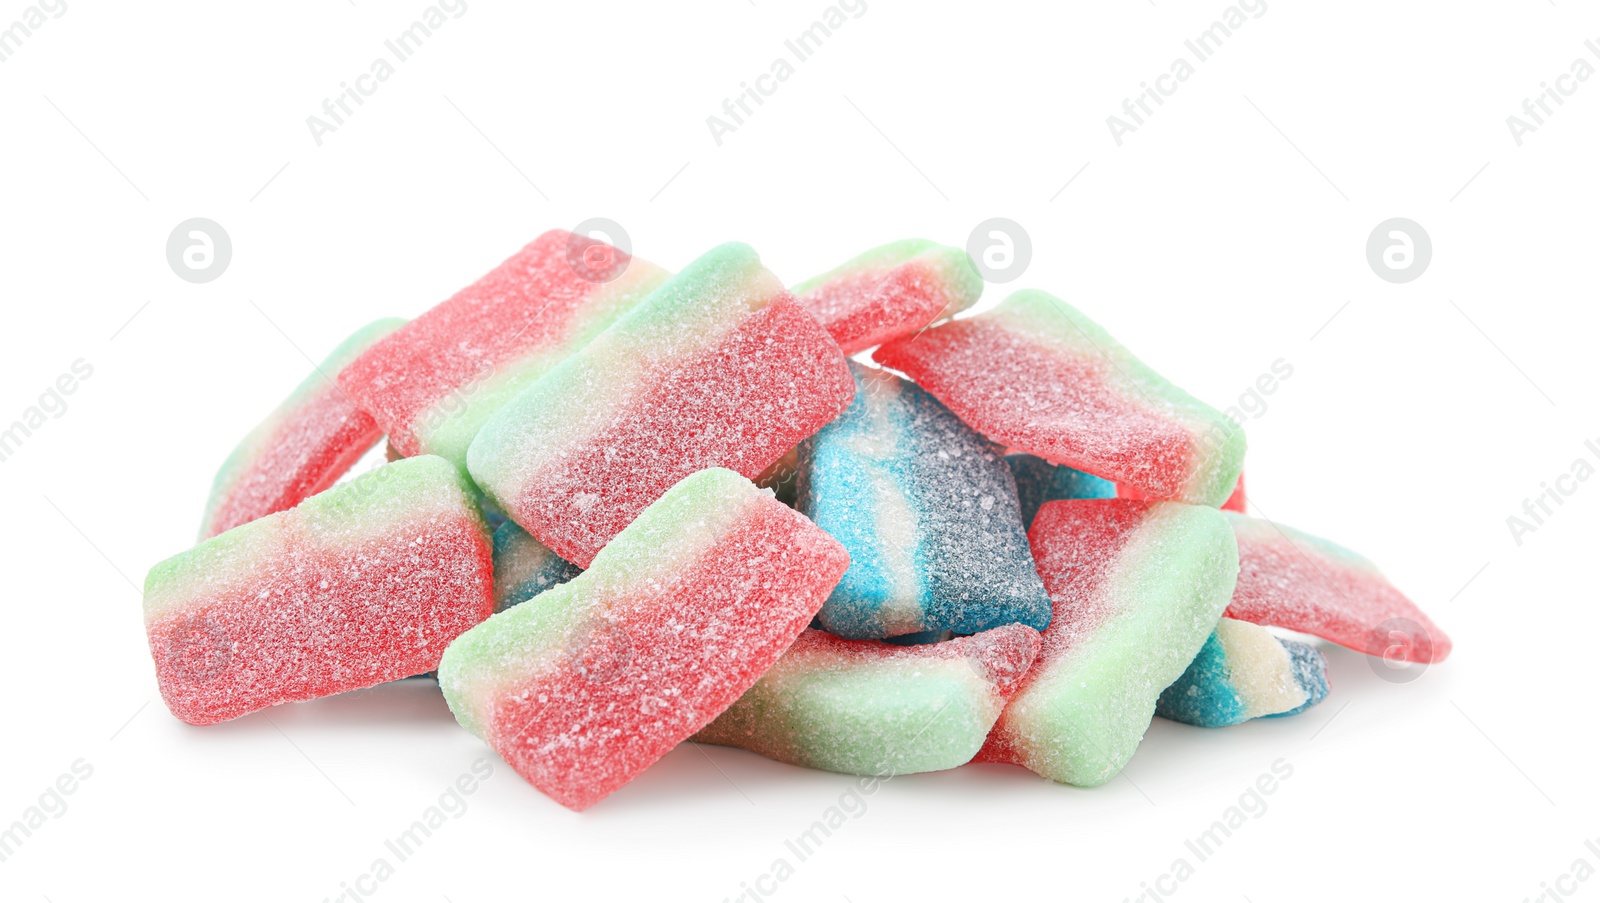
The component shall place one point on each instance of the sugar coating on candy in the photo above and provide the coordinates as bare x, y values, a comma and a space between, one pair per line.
1039, 481
584, 687
870, 708
1300, 582
1137, 587
890, 291
927, 509
1244, 672
1040, 377
1311, 673
303, 446
433, 383
524, 567
1236, 501
720, 367
360, 584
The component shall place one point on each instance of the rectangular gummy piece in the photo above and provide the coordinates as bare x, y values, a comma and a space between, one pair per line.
585, 686
302, 447
1297, 581
890, 291
433, 383
927, 509
1040, 377
1137, 588
868, 708
720, 367
363, 583
1244, 672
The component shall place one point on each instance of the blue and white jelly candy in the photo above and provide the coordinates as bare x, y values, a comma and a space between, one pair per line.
928, 510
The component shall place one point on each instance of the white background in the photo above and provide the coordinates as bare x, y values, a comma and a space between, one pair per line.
1221, 236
